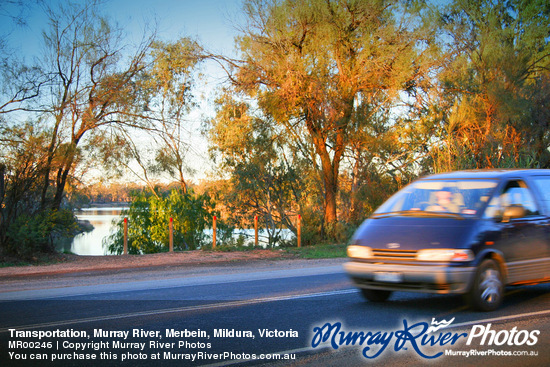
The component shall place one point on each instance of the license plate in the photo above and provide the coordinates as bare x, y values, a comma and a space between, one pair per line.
388, 277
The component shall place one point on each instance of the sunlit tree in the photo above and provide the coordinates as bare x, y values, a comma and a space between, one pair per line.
315, 66
495, 83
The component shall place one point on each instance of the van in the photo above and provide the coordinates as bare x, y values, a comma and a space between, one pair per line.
467, 232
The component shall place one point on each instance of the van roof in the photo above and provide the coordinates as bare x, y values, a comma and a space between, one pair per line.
489, 174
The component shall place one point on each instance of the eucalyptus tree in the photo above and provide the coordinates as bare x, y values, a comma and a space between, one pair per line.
161, 143
316, 66
496, 84
260, 166
90, 91
95, 85
173, 79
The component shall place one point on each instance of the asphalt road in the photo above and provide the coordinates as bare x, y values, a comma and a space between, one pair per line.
263, 316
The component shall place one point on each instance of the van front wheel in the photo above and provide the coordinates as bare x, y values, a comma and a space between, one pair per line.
375, 295
488, 288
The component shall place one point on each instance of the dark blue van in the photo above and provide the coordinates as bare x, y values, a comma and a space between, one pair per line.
468, 232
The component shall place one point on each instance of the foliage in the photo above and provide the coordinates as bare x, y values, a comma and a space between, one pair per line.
148, 222
29, 236
493, 86
81, 104
333, 106
168, 96
317, 66
264, 178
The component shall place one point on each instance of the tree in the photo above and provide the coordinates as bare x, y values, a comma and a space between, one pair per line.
89, 93
173, 80
261, 166
92, 88
495, 83
314, 66
167, 90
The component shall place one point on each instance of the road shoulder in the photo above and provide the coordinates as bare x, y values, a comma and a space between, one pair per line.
170, 266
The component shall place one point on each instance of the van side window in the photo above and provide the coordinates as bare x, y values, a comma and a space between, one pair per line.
515, 193
543, 185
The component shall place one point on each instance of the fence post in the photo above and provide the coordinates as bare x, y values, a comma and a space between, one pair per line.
125, 236
214, 233
299, 231
171, 236
256, 230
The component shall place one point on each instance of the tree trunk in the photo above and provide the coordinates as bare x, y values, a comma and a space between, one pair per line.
329, 174
50, 157
64, 171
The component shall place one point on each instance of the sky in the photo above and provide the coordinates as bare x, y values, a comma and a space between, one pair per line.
211, 22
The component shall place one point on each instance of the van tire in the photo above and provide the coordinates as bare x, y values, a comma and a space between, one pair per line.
488, 288
375, 295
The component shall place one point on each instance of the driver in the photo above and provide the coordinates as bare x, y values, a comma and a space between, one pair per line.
444, 202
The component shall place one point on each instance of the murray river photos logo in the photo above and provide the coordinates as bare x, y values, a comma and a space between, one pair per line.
418, 337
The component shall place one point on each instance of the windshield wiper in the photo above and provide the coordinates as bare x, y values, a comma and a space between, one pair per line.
397, 213
417, 213
445, 214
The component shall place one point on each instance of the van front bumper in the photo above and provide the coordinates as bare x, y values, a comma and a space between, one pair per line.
441, 279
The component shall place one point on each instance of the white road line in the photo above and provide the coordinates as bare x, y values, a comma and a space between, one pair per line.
209, 306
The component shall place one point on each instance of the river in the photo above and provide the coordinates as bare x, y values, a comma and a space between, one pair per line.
91, 243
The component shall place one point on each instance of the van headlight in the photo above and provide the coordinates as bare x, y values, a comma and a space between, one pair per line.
444, 255
359, 252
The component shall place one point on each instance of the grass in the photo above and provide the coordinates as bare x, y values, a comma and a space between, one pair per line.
8, 264
318, 252
306, 252
40, 259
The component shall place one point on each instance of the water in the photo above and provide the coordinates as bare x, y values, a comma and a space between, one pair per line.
91, 243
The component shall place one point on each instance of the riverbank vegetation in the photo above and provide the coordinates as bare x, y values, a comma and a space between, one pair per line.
328, 108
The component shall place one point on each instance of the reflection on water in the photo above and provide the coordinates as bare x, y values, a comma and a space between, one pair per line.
91, 243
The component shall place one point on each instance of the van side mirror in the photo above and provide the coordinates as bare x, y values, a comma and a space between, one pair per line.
513, 212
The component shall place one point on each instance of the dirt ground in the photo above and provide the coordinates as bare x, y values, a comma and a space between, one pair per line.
74, 270
76, 263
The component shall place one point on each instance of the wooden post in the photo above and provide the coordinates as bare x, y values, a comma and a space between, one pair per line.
214, 233
125, 236
256, 230
299, 231
171, 236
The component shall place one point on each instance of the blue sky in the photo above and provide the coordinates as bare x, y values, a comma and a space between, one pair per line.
210, 21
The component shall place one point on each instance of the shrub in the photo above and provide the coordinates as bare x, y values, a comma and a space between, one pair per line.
30, 235
148, 222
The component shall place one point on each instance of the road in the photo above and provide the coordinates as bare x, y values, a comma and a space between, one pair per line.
259, 314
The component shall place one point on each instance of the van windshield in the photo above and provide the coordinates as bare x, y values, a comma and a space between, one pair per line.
461, 197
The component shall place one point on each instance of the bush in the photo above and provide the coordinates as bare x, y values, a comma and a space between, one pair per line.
148, 222
29, 235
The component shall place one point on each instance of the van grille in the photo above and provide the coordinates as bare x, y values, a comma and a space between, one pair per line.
384, 254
